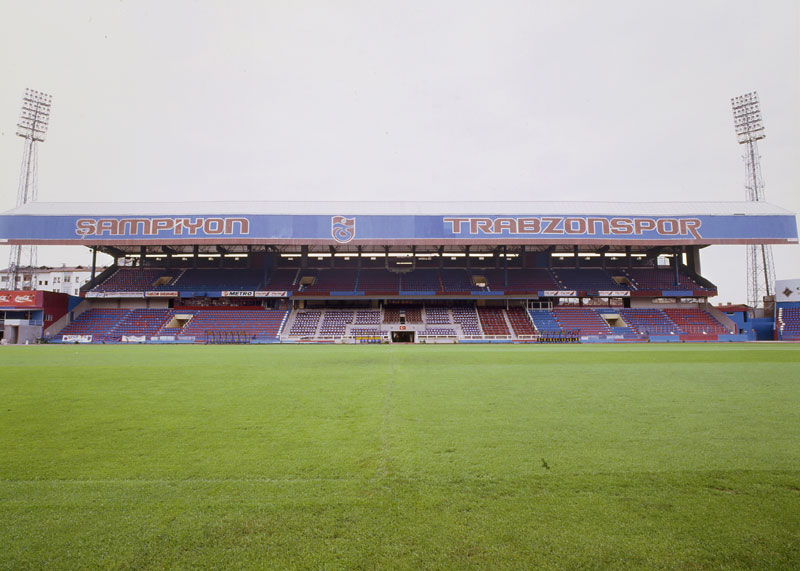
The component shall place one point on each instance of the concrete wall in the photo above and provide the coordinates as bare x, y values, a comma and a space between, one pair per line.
20, 334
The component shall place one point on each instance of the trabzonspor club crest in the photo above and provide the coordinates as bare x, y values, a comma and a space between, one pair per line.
343, 229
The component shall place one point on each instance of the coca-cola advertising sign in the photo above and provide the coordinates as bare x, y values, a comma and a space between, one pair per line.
19, 299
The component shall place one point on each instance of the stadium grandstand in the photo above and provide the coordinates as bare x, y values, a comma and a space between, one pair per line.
431, 272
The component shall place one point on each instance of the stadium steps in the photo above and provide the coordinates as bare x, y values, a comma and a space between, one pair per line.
520, 322
288, 324
509, 325
284, 322
112, 331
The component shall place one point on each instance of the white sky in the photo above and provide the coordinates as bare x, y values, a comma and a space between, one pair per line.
411, 100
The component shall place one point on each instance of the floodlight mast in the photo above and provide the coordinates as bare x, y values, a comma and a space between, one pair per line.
749, 130
33, 122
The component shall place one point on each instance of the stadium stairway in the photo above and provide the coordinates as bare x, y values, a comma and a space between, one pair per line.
520, 322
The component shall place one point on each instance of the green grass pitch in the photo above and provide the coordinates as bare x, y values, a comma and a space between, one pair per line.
400, 457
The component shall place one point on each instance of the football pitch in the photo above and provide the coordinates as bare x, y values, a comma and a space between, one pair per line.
400, 457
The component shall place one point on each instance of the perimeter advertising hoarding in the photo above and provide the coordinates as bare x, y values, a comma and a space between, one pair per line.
366, 229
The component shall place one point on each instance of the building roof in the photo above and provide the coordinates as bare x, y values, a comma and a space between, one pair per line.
734, 308
398, 208
378, 224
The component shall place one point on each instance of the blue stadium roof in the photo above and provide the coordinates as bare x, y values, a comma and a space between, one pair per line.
375, 224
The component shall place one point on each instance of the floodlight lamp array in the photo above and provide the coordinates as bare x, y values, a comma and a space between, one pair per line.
35, 115
747, 117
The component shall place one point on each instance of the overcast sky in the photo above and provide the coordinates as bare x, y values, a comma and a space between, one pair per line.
455, 100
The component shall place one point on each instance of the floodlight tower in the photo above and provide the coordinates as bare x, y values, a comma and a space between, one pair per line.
33, 121
749, 130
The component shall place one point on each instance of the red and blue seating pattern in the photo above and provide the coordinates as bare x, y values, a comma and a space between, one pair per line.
216, 280
420, 282
649, 321
380, 281
134, 279
96, 322
586, 279
519, 280
457, 281
695, 321
110, 325
256, 323
660, 279
587, 321
141, 322
282, 279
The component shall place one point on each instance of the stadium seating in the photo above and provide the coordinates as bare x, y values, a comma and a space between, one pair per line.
335, 322
217, 279
261, 324
519, 280
282, 279
544, 320
649, 321
391, 315
587, 321
96, 322
456, 281
660, 279
420, 282
436, 315
788, 323
140, 322
439, 332
305, 323
520, 321
586, 279
368, 317
467, 317
692, 320
134, 279
493, 322
413, 314
378, 282
364, 331
331, 280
